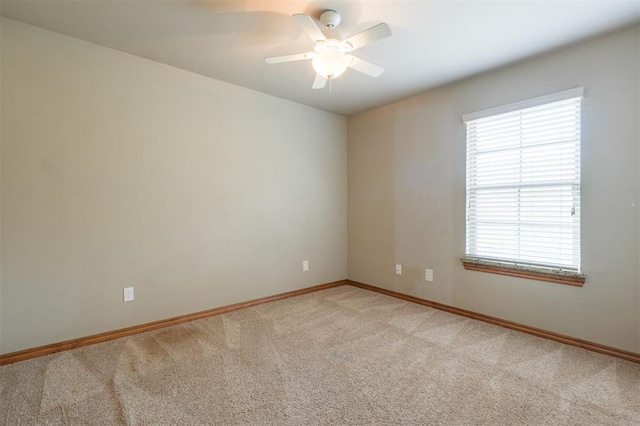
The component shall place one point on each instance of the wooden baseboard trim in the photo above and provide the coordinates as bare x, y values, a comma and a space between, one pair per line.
568, 340
136, 329
129, 331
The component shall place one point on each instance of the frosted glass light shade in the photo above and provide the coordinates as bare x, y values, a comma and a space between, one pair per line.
330, 63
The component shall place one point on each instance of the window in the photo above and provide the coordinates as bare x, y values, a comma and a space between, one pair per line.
523, 189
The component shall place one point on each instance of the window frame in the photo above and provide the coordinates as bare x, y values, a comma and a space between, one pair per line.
510, 267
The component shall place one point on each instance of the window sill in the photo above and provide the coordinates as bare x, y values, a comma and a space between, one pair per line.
529, 272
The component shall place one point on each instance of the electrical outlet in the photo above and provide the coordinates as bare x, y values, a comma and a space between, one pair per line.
428, 275
398, 269
305, 266
128, 294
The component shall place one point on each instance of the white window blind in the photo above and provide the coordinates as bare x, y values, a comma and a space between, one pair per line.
523, 183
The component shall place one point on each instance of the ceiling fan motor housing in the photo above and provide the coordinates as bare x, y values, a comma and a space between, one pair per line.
332, 34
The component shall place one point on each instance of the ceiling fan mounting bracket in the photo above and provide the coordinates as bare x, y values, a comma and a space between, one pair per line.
330, 18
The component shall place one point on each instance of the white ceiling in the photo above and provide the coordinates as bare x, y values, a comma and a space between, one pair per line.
433, 42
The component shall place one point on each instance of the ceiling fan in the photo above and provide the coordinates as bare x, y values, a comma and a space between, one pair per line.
330, 56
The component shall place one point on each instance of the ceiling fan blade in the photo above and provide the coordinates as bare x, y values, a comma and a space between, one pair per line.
375, 33
319, 82
365, 67
289, 58
309, 26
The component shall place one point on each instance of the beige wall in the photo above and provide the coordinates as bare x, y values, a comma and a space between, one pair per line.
407, 191
118, 171
638, 124
0, 187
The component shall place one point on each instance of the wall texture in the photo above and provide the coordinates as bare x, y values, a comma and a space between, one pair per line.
0, 186
118, 171
638, 130
407, 194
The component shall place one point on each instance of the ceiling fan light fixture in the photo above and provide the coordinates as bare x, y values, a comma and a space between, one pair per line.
330, 63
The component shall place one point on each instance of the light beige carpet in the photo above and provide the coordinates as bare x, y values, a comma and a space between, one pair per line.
338, 356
